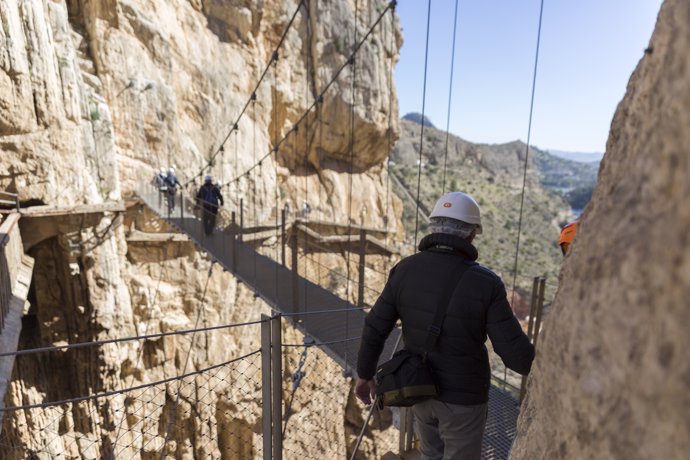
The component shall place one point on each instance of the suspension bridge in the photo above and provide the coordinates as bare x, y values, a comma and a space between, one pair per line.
239, 404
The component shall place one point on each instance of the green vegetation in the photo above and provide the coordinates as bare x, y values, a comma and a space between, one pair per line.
492, 174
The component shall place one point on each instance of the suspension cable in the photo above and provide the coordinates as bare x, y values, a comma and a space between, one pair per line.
319, 99
450, 95
274, 57
529, 134
421, 140
390, 127
353, 66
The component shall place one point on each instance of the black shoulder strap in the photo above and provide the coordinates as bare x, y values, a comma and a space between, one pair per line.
435, 328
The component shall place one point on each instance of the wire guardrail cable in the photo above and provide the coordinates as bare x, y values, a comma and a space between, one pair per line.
125, 339
126, 390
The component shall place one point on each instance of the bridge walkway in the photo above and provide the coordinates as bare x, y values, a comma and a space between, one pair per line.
308, 307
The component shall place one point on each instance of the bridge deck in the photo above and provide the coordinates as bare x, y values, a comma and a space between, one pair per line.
273, 283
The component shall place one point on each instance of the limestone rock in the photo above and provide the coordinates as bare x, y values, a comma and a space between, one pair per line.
611, 375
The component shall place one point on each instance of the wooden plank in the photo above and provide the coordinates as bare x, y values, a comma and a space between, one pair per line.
146, 237
49, 211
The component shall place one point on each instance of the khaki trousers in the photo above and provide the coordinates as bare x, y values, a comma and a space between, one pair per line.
449, 431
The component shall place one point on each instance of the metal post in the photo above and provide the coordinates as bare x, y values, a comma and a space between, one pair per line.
241, 218
266, 411
362, 255
409, 428
282, 236
181, 209
276, 386
295, 274
402, 413
530, 329
233, 239
540, 307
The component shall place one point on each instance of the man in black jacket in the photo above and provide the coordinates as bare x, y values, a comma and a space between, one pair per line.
451, 425
209, 199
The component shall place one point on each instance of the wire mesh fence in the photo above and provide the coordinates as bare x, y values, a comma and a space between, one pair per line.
208, 413
321, 416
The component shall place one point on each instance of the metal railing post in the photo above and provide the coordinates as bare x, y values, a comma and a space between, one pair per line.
362, 255
233, 240
295, 274
282, 236
530, 328
181, 209
276, 386
402, 413
266, 412
540, 307
241, 218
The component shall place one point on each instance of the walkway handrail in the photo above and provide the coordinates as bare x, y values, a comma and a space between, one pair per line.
11, 251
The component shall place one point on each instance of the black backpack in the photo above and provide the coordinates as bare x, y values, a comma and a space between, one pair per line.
209, 195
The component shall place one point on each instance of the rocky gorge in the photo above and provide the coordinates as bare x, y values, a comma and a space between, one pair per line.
95, 96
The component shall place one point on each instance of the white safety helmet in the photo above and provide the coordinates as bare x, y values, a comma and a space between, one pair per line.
162, 171
459, 206
208, 179
171, 171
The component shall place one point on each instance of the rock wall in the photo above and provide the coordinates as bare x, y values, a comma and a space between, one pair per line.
611, 376
95, 95
175, 75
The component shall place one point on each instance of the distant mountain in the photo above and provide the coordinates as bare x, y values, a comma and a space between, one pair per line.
417, 118
580, 157
492, 174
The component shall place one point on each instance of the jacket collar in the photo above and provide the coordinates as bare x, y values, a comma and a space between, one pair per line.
455, 243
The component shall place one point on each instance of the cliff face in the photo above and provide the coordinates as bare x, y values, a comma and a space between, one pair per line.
175, 76
96, 95
611, 375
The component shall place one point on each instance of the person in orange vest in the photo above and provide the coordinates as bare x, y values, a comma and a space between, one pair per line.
567, 234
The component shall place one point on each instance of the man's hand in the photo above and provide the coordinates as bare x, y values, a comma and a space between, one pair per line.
365, 390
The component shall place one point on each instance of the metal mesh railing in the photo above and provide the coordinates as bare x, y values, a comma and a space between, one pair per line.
214, 418
321, 417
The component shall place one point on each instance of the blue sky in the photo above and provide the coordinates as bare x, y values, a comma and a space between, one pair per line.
588, 50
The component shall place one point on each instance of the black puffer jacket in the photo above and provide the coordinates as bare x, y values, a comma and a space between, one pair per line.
479, 307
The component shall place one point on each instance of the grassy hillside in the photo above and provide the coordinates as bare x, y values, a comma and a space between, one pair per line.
492, 174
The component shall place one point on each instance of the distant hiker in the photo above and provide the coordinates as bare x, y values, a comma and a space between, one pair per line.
159, 183
444, 298
306, 208
567, 235
171, 184
209, 198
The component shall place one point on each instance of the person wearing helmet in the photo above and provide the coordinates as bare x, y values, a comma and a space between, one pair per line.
450, 425
171, 184
209, 199
567, 235
159, 183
